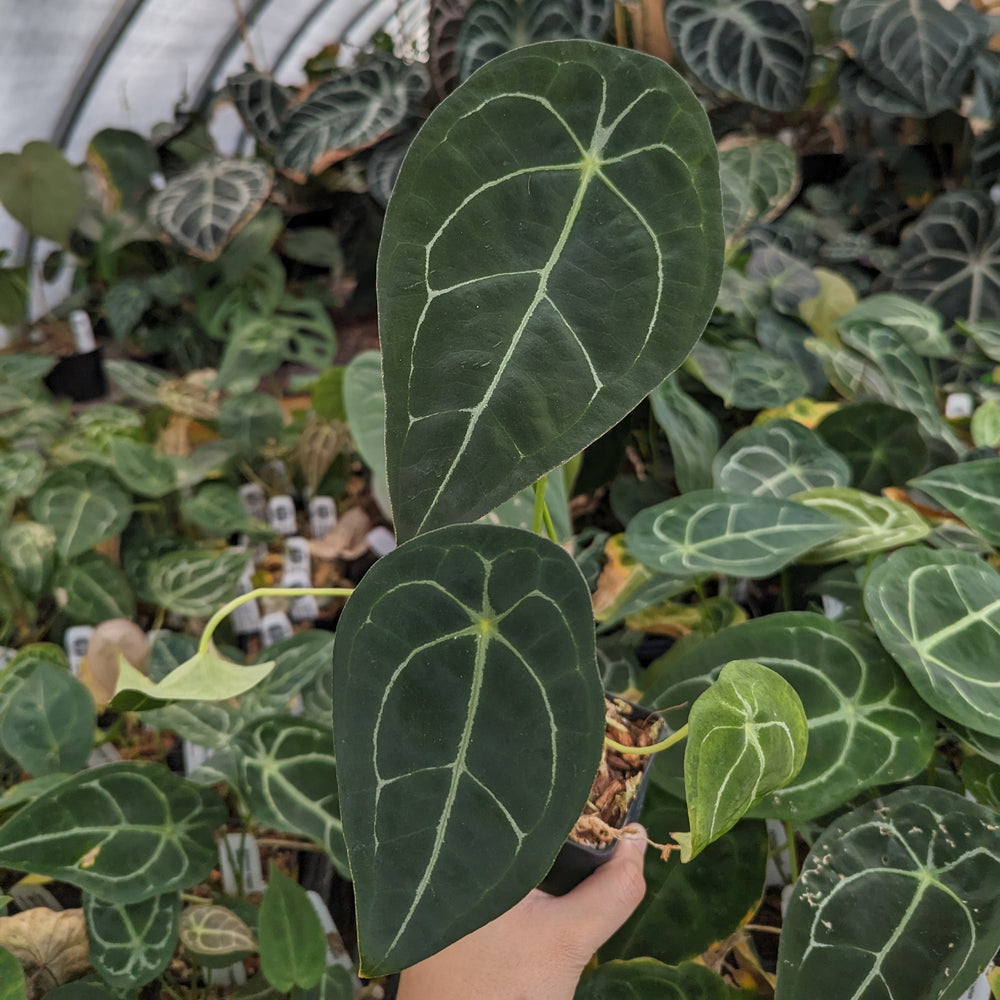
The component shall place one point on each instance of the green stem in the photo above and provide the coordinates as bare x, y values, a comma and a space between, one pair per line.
536, 524
793, 858
655, 748
227, 609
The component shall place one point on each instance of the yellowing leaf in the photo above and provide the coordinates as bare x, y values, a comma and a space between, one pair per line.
836, 297
51, 946
803, 410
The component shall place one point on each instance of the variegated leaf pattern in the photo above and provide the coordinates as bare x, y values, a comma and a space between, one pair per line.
444, 20
261, 102
709, 531
922, 865
870, 523
756, 50
131, 943
202, 208
95, 590
352, 110
985, 335
920, 326
749, 379
288, 774
459, 641
971, 491
27, 550
777, 459
194, 582
566, 140
215, 931
492, 27
20, 473
951, 258
938, 614
916, 54
867, 726
124, 832
747, 737
759, 180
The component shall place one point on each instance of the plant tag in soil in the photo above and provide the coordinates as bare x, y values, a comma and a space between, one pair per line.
6, 655
253, 500
274, 627
76, 641
297, 562
106, 753
958, 406
322, 516
247, 861
28, 897
231, 975
194, 755
336, 952
281, 514
302, 608
381, 540
833, 608
246, 618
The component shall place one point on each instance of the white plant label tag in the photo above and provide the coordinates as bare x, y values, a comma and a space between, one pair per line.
6, 655
194, 755
231, 975
381, 540
76, 641
302, 608
833, 608
253, 500
297, 560
779, 864
281, 514
336, 952
30, 897
274, 627
979, 990
322, 516
242, 849
106, 753
958, 406
246, 618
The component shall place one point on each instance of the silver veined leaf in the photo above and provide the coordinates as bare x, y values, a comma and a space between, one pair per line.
215, 931
444, 20
760, 177
261, 103
348, 112
384, 165
27, 550
195, 581
691, 430
202, 208
971, 491
750, 379
920, 326
757, 51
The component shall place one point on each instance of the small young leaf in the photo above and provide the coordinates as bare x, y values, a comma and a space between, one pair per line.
292, 942
747, 737
215, 932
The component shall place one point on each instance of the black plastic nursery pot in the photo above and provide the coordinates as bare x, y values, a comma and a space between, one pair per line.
575, 861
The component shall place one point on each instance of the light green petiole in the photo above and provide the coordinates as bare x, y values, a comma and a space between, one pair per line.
672, 739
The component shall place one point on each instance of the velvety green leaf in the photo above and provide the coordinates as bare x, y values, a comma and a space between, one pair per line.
921, 866
195, 581
867, 726
20, 473
985, 425
647, 979
28, 791
917, 54
208, 725
882, 443
12, 985
123, 832
747, 738
687, 908
297, 660
692, 431
124, 305
951, 258
143, 470
288, 773
970, 490
216, 509
125, 162
83, 504
938, 614
778, 459
364, 401
94, 589
131, 943
747, 379
261, 102
492, 27
759, 179
215, 931
203, 207
981, 777
353, 109
565, 141
788, 338
27, 550
920, 326
292, 942
41, 190
48, 721
870, 523
250, 422
758, 52
985, 335
459, 641
713, 532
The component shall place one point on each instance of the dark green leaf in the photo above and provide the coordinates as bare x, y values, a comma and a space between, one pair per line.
748, 379
12, 985
261, 102
692, 431
647, 979
27, 549
195, 581
41, 190
216, 509
93, 589
250, 422
143, 469
759, 179
971, 491
292, 942
124, 305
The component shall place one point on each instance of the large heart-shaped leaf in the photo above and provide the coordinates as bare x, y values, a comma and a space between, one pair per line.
919, 325
713, 532
867, 726
647, 979
289, 776
951, 259
921, 865
916, 54
693, 434
493, 27
123, 832
757, 51
759, 179
202, 208
747, 737
466, 639
131, 943
611, 221
970, 490
938, 614
353, 109
83, 504
777, 459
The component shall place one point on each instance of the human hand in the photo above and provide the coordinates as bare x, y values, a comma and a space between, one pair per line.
539, 947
